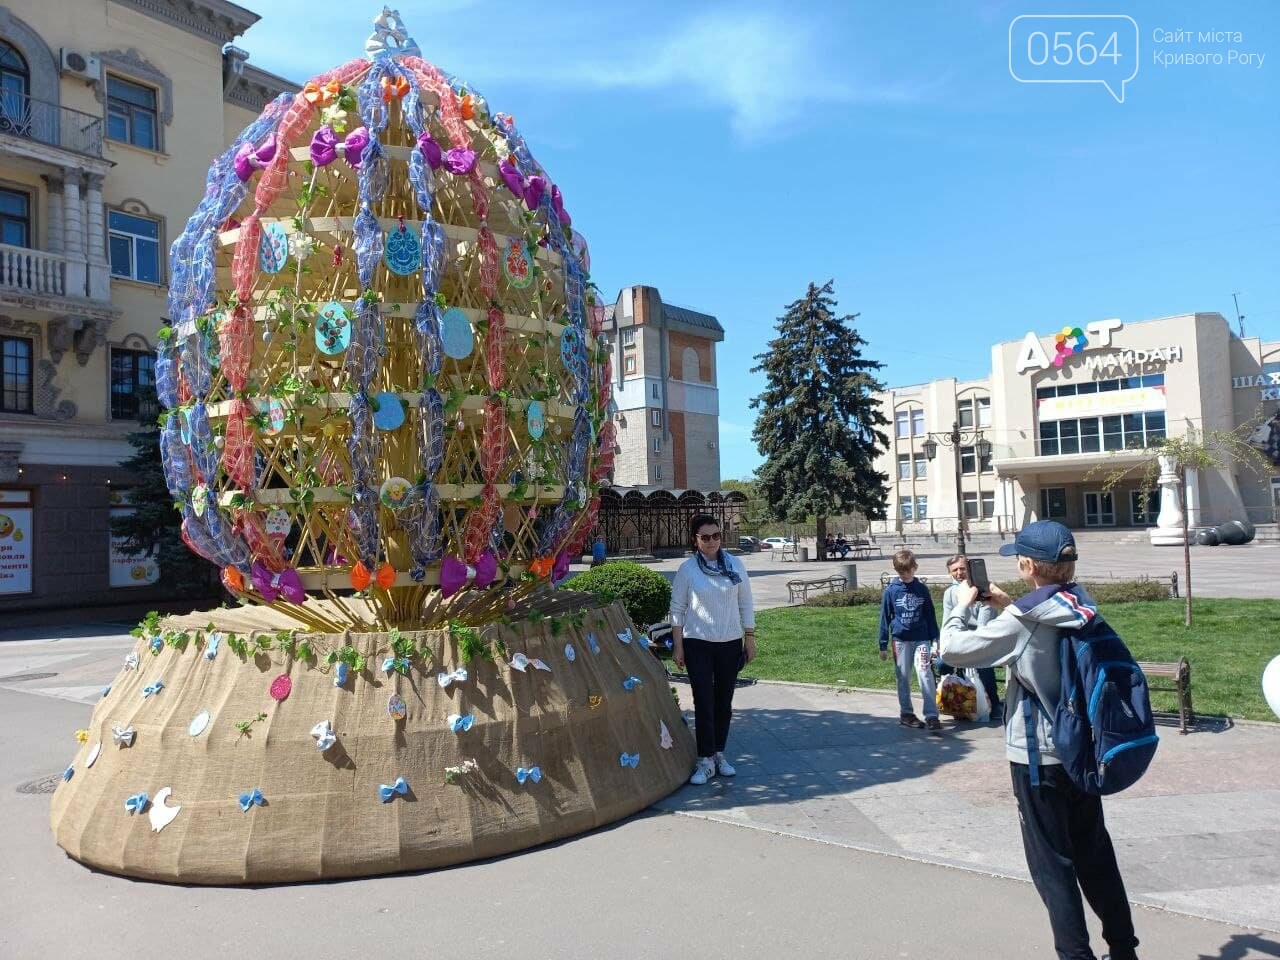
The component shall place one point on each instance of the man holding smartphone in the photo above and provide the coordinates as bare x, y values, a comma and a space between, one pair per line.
978, 615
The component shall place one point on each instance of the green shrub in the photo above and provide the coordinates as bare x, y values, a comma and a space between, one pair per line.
845, 598
644, 592
1124, 591
1112, 591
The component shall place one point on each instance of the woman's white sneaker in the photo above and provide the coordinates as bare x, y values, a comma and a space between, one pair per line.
704, 771
723, 766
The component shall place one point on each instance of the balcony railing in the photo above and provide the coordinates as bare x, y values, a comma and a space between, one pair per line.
32, 271
31, 119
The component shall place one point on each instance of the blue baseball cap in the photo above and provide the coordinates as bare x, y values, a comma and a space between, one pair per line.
1045, 540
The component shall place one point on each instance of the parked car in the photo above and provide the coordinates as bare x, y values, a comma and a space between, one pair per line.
749, 544
775, 543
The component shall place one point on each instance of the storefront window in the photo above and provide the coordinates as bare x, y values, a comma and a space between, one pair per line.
1089, 441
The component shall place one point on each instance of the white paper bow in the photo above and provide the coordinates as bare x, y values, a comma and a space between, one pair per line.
325, 737
457, 676
123, 736
131, 662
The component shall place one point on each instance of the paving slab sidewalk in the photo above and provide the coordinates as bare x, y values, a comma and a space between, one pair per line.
1199, 834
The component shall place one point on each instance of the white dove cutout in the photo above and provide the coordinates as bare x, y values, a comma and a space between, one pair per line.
161, 815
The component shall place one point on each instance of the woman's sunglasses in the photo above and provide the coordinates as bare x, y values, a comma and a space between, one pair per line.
709, 537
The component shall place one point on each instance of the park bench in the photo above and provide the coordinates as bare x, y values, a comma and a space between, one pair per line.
925, 578
788, 551
800, 588
862, 549
1179, 675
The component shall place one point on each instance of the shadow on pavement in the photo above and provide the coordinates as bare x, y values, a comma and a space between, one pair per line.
1242, 946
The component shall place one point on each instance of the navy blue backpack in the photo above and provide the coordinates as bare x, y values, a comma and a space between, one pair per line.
1103, 729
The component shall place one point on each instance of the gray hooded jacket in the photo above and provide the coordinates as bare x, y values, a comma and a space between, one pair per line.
1023, 638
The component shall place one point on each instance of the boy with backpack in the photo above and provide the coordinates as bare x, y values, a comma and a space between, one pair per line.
908, 617
1058, 771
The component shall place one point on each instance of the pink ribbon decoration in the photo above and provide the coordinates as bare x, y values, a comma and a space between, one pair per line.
250, 158
273, 585
557, 201
454, 574
460, 161
430, 150
326, 147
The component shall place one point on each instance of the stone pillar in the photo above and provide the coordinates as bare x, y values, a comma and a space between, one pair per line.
73, 233
55, 241
96, 236
1194, 519
1168, 529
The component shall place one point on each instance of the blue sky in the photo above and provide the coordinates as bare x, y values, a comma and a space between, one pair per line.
728, 154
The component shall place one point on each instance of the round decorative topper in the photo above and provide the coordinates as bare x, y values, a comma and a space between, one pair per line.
517, 264
537, 418
403, 250
278, 523
200, 722
273, 249
395, 493
93, 755
456, 336
333, 329
396, 709
273, 413
280, 687
389, 414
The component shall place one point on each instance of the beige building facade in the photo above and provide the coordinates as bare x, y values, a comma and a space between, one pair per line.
1061, 409
665, 389
110, 113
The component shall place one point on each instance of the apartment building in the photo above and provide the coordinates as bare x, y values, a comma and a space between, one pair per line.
1058, 410
664, 385
110, 112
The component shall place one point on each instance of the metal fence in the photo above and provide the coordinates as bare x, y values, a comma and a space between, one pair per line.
32, 119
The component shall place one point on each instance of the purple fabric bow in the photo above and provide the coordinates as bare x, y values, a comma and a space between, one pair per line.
511, 177
560, 569
534, 188
557, 201
326, 147
454, 574
460, 161
250, 158
273, 585
430, 150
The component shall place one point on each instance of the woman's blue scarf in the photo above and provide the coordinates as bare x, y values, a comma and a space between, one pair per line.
722, 568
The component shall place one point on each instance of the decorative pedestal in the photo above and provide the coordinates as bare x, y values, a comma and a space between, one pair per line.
1168, 529
225, 805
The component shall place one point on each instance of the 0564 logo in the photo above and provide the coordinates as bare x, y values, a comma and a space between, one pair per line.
1074, 48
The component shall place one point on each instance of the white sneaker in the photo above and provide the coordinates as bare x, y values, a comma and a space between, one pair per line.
704, 771
724, 767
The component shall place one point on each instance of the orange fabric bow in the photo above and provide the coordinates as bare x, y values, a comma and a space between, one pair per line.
394, 89
233, 579
468, 107
314, 93
541, 568
361, 578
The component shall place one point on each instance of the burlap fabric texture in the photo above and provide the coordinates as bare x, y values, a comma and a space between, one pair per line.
322, 815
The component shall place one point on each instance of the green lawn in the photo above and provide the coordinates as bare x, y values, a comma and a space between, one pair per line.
1229, 645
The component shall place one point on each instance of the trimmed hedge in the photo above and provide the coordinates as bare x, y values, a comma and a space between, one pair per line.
1114, 591
644, 592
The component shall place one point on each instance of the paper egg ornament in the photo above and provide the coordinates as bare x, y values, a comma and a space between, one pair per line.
427, 399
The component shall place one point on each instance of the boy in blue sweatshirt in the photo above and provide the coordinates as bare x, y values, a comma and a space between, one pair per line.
908, 618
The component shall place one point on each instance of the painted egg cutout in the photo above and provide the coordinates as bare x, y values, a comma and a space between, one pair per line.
456, 336
537, 419
402, 250
396, 709
517, 264
389, 414
199, 723
333, 329
273, 413
278, 523
395, 493
273, 249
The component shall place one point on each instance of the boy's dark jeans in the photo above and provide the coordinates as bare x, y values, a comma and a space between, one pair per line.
1068, 851
713, 669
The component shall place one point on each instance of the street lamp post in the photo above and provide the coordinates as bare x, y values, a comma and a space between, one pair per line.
955, 439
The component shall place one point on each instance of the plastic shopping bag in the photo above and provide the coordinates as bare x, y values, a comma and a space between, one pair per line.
983, 707
957, 697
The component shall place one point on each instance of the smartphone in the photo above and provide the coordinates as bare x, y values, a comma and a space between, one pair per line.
978, 577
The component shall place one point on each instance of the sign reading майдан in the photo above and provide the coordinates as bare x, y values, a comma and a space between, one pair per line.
1074, 340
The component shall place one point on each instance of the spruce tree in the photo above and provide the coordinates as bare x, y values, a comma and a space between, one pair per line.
819, 425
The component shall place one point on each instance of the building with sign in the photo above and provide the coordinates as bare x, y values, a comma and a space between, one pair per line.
1060, 409
109, 113
664, 386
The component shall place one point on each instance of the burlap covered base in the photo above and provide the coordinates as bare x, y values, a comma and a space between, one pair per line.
582, 724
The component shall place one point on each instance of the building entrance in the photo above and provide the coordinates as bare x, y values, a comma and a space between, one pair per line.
1099, 509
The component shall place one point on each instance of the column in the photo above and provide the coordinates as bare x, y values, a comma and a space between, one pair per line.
54, 206
73, 235
96, 237
1194, 520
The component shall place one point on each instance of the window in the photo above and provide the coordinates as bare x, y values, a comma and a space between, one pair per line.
922, 508
969, 461
1053, 503
901, 423
975, 411
1130, 431
655, 391
629, 366
132, 372
988, 504
906, 509
656, 418
15, 217
135, 247
657, 474
1093, 386
15, 86
917, 423
1049, 439
1089, 439
904, 466
970, 501
922, 468
15, 394
657, 445
979, 505
628, 337
131, 113
1137, 502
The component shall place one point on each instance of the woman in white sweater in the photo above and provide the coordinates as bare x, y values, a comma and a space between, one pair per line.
713, 632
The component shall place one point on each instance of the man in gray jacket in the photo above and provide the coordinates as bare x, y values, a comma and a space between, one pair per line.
980, 614
1064, 835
